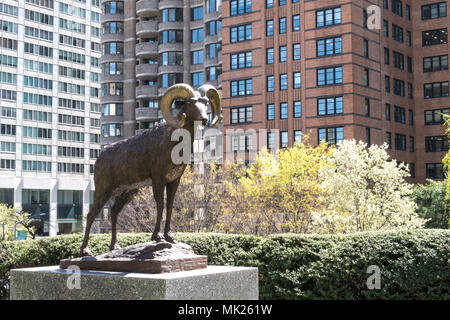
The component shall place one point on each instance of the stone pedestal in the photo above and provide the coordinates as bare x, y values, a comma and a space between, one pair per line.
212, 283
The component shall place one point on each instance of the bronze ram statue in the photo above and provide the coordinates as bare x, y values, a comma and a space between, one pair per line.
145, 159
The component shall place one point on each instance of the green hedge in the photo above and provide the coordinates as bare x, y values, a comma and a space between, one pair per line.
414, 264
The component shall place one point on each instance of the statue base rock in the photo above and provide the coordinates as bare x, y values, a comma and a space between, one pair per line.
212, 283
150, 257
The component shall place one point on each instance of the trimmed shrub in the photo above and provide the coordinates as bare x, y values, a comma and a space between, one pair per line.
413, 264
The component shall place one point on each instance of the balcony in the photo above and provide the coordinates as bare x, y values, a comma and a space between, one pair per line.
147, 71
147, 29
146, 50
146, 92
108, 37
171, 69
109, 140
147, 8
143, 114
171, 25
163, 4
177, 46
111, 17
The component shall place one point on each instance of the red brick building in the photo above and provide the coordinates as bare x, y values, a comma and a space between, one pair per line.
324, 69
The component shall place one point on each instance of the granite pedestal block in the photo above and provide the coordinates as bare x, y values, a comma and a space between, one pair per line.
212, 283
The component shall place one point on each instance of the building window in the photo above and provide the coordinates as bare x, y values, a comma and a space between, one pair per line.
297, 136
197, 35
198, 79
436, 63
386, 28
283, 110
436, 117
435, 90
397, 7
240, 7
366, 48
213, 72
242, 143
397, 33
241, 88
297, 80
399, 60
389, 140
241, 115
434, 37
366, 77
434, 11
436, 144
411, 117
386, 56
284, 139
399, 87
241, 33
387, 84
388, 111
411, 144
270, 112
399, 115
331, 135
330, 106
283, 53
283, 81
270, 83
435, 171
296, 51
196, 58
197, 13
282, 25
269, 3
400, 142
269, 28
368, 138
112, 130
329, 76
269, 56
241, 60
270, 140
367, 107
328, 17
297, 109
330, 46
412, 170
296, 23
173, 14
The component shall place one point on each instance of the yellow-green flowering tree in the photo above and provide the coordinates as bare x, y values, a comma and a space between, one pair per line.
278, 192
366, 191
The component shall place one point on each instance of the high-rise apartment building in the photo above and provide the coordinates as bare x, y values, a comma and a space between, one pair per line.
149, 45
50, 108
338, 70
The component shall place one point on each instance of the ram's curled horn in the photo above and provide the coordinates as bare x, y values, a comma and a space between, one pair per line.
177, 91
213, 95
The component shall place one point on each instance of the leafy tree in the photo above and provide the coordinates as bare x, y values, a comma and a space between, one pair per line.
366, 191
446, 162
430, 200
197, 204
9, 216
